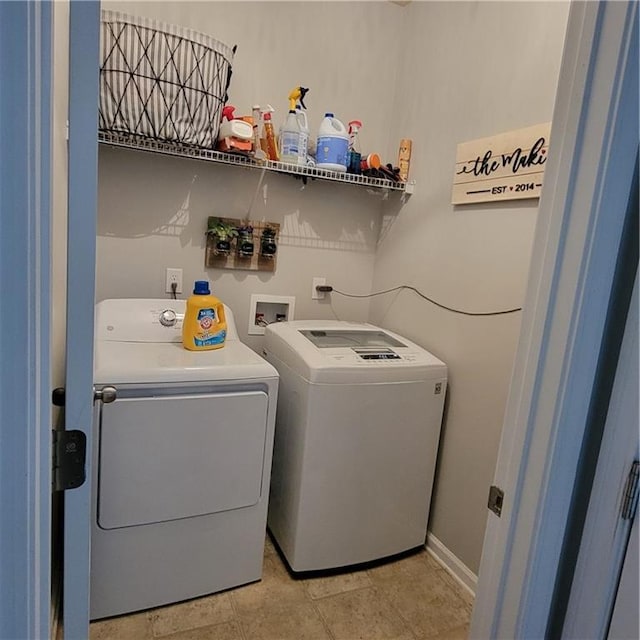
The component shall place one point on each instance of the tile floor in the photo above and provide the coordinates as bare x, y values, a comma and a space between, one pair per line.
408, 599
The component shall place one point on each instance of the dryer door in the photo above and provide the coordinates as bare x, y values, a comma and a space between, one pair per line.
164, 458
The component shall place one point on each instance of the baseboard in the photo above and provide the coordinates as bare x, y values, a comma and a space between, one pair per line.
467, 579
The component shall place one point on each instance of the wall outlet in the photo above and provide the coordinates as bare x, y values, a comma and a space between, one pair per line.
318, 282
171, 276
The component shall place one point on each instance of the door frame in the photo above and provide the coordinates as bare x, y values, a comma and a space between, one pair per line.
25, 257
604, 543
84, 48
589, 176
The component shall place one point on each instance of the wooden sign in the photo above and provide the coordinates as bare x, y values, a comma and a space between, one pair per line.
508, 166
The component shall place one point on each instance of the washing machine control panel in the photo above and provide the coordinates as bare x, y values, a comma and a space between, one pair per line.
377, 354
357, 347
364, 357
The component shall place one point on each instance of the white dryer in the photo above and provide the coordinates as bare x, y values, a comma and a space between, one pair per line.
357, 431
181, 460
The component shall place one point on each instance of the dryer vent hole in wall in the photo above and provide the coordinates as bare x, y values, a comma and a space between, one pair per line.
325, 288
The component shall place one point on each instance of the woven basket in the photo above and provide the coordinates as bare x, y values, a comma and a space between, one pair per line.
161, 81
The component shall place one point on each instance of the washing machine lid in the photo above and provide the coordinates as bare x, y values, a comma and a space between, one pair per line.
338, 352
132, 346
356, 338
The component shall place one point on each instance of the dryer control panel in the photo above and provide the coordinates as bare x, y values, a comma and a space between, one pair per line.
146, 320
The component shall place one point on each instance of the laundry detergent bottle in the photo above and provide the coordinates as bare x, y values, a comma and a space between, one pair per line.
204, 325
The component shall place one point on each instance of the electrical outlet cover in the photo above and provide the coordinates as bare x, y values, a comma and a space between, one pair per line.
318, 282
173, 275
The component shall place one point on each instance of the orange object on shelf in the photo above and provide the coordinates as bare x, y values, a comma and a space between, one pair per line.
370, 161
233, 144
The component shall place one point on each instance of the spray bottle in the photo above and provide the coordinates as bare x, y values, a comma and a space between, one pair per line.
297, 95
234, 133
301, 115
268, 141
294, 135
354, 155
256, 114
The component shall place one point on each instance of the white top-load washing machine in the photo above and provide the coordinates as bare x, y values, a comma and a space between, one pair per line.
357, 431
181, 460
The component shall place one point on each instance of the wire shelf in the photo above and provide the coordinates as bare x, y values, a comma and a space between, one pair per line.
197, 153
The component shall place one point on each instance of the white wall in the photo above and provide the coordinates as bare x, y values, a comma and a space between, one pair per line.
153, 210
470, 70
153, 213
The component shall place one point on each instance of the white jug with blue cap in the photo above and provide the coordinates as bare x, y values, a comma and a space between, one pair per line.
333, 144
